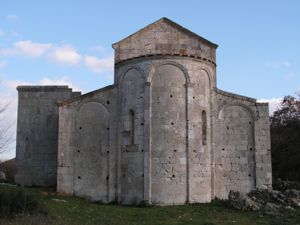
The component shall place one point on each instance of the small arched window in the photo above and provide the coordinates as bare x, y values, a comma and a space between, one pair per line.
131, 120
204, 128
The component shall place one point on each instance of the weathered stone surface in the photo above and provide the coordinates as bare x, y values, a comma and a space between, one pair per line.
2, 175
161, 134
164, 37
37, 133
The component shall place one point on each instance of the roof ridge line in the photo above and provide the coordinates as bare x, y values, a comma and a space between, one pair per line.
171, 23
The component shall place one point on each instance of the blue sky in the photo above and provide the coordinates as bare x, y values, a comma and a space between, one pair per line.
57, 42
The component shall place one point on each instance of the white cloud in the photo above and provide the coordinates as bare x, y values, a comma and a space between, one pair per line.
99, 64
26, 48
65, 54
278, 64
8, 97
1, 33
274, 103
3, 63
65, 80
12, 17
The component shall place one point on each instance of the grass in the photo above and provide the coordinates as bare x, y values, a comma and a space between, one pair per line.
19, 201
75, 211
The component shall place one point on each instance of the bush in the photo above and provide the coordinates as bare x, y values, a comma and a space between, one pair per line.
16, 201
285, 141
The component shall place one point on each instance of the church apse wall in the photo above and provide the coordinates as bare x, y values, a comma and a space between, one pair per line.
131, 89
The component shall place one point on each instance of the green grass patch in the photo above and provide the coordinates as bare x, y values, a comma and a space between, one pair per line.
63, 210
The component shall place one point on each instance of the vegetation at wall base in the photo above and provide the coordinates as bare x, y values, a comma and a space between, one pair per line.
66, 210
35, 206
15, 201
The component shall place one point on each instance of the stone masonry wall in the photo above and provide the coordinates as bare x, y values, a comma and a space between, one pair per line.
164, 37
172, 139
169, 176
161, 134
131, 97
175, 158
242, 159
87, 152
37, 133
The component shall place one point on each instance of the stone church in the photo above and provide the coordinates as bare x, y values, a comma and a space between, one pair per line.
162, 133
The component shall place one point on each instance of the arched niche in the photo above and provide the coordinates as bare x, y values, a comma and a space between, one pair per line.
168, 135
245, 107
91, 173
204, 85
199, 111
156, 65
132, 134
236, 149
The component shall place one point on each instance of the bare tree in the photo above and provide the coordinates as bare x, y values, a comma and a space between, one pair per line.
6, 137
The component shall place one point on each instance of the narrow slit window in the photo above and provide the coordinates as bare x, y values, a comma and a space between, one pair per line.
204, 128
131, 119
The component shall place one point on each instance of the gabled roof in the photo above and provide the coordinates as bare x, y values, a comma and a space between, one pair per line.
172, 24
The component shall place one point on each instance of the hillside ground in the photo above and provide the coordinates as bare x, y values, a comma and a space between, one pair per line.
67, 210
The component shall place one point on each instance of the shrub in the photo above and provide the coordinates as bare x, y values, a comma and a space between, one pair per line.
285, 142
15, 201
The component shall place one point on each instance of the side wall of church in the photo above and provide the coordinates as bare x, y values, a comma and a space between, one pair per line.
87, 146
37, 133
241, 146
